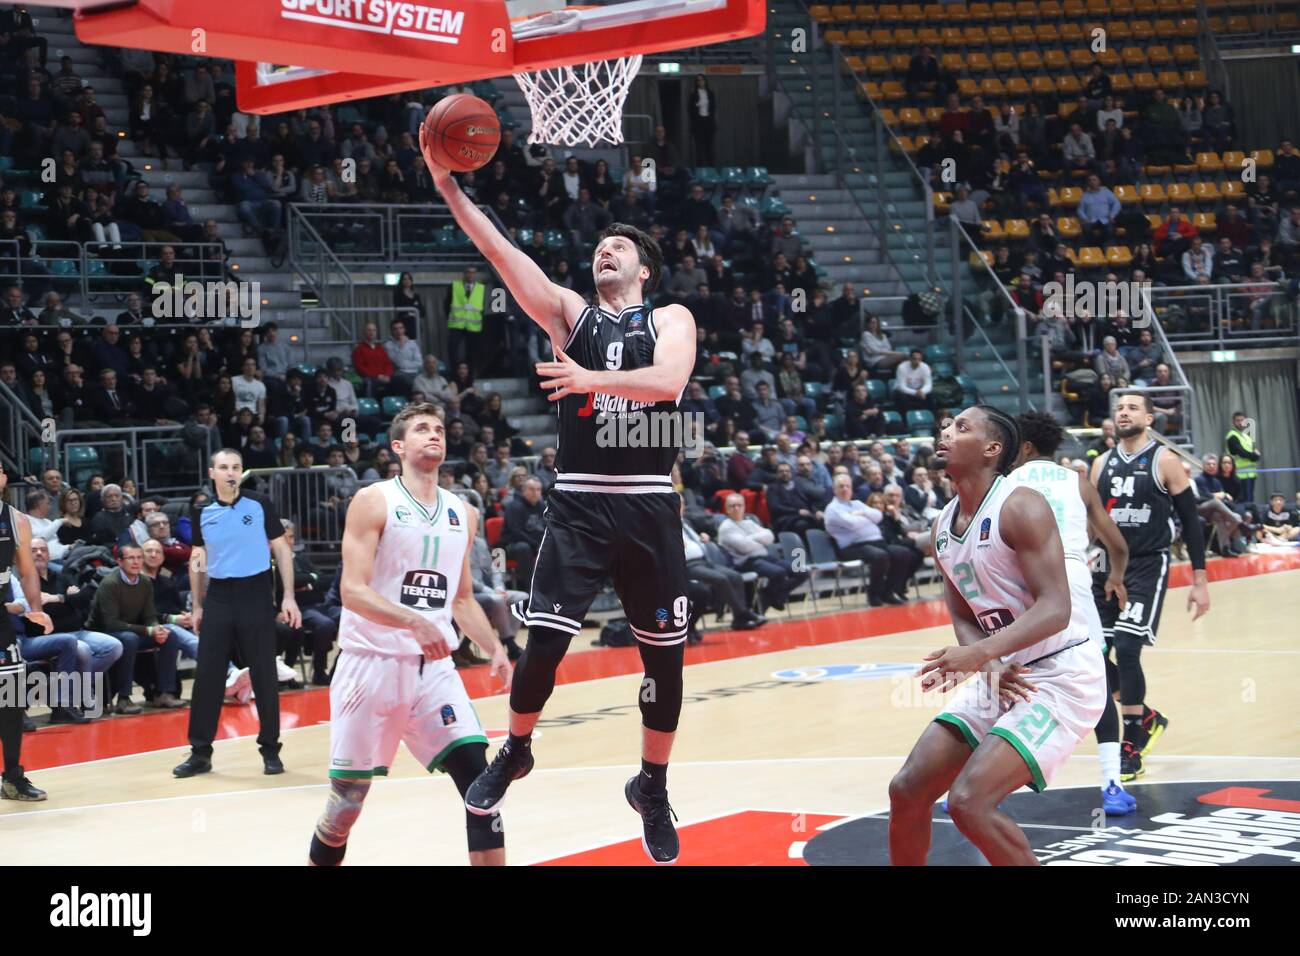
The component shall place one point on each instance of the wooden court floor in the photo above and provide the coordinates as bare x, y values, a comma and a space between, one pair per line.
783, 757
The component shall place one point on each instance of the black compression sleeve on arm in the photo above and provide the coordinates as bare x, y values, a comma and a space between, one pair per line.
1193, 536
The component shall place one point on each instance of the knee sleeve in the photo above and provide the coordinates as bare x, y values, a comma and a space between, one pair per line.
1132, 682
535, 672
464, 764
661, 689
1112, 677
341, 811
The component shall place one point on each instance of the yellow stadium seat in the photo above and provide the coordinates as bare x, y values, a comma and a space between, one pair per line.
865, 13
1232, 160
836, 37
1118, 257
991, 86
1170, 80
1016, 229
1185, 53
1233, 189
905, 37
954, 12
951, 37
1110, 59
978, 62
966, 87
1117, 30
1071, 33
882, 38
893, 90
898, 62
912, 13
1081, 59
992, 230
1180, 193
934, 13
889, 117
980, 12
1154, 220
1205, 222
821, 13
1067, 197
842, 13
1127, 195
1133, 56
1004, 62
933, 114
952, 62
1159, 55
1074, 9
1288, 22
1263, 158
876, 64
1141, 31
927, 36
1238, 25
1207, 192
1004, 12
1098, 8
1209, 163
1186, 28
1065, 109
1121, 8
1027, 10
1090, 257
1049, 10
1121, 84
1194, 79
974, 35
1046, 33
999, 35
859, 39
1022, 33
1056, 60
1067, 227
1166, 29
1144, 81
1018, 88
910, 117
980, 257
1029, 61
902, 143
871, 90
854, 65
1043, 86
1067, 84
1145, 8
1153, 194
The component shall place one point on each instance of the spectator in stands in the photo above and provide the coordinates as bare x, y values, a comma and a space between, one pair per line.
1198, 261
687, 278
1229, 263
913, 383
249, 391
492, 595
726, 584
855, 530
924, 78
790, 507
1144, 357
877, 352
1215, 506
404, 354
769, 413
1162, 131
920, 496
123, 607
373, 362
176, 553
753, 548
1110, 362
272, 354
964, 209
1098, 209
1217, 121
738, 225
108, 404
862, 415
1277, 525
904, 529
521, 534
1077, 150
255, 198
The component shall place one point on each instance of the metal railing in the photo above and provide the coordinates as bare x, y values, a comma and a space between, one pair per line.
347, 324
20, 432
314, 499
156, 457
1207, 46
1227, 316
380, 235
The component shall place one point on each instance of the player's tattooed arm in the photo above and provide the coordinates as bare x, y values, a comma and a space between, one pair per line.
664, 381
551, 306
468, 613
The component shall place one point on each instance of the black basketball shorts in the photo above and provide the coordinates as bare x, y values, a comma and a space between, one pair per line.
635, 539
1146, 579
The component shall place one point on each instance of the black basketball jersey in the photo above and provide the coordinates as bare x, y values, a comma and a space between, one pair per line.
8, 546
1136, 499
604, 435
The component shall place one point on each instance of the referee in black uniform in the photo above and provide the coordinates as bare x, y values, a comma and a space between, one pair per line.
234, 607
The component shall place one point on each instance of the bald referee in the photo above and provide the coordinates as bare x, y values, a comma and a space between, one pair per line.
234, 607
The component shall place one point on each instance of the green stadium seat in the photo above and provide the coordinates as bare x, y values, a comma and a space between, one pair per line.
920, 421
732, 177
942, 369
893, 422
707, 176
394, 404
937, 353
368, 406
307, 369
717, 391
877, 390
814, 389
834, 425
756, 177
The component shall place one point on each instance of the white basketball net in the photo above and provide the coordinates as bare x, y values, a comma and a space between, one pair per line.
579, 105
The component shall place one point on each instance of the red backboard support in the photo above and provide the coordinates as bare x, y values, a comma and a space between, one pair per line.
390, 46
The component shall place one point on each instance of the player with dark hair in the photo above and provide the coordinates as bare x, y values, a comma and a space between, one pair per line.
613, 511
1143, 486
1039, 682
1078, 509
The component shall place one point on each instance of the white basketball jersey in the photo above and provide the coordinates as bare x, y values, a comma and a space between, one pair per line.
985, 572
418, 565
1060, 486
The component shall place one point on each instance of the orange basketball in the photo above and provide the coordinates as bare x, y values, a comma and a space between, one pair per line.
462, 132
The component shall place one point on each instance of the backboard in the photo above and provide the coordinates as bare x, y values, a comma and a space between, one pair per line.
293, 54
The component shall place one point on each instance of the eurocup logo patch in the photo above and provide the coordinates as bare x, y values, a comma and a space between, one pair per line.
661, 617
448, 715
985, 527
452, 519
424, 590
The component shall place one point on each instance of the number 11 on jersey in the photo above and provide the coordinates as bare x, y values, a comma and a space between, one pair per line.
425, 559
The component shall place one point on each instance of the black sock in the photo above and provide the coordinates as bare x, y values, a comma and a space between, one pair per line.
517, 744
654, 777
322, 854
1132, 728
1146, 713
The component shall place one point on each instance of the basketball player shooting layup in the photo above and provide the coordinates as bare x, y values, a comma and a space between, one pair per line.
405, 577
612, 512
1143, 485
1009, 596
1078, 508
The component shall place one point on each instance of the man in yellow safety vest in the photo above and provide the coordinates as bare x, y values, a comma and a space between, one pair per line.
465, 319
1245, 454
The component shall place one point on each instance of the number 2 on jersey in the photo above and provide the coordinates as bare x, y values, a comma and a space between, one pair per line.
967, 583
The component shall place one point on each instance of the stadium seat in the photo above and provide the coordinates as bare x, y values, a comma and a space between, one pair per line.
394, 404
893, 422
1207, 192
1263, 158
1118, 257
368, 406
1153, 194
1205, 222
920, 422
877, 390
1127, 195
1016, 229
1090, 257
1068, 227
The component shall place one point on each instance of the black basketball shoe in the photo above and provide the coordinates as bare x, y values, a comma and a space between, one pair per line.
660, 840
1130, 762
488, 791
1153, 724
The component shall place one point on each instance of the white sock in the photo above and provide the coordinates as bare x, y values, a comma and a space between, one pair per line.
1108, 754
